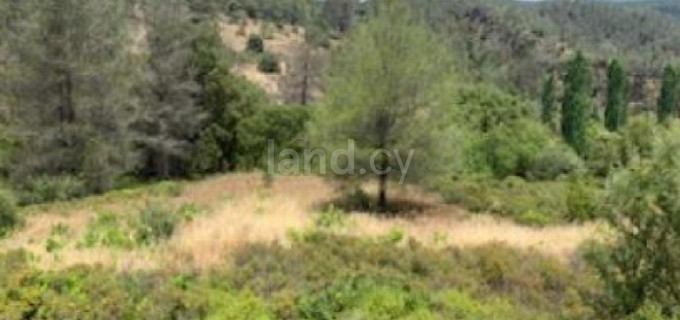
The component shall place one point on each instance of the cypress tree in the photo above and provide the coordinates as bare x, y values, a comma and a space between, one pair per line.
617, 97
548, 102
668, 98
576, 105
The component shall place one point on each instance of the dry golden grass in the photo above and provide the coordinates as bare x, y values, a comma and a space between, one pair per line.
241, 211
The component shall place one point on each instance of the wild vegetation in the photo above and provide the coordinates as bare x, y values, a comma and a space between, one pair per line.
537, 142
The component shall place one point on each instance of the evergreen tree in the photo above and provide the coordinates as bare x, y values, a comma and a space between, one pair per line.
576, 105
617, 97
381, 93
69, 87
668, 100
548, 102
170, 119
224, 97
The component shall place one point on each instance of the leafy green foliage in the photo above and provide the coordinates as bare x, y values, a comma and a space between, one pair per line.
151, 224
383, 91
534, 203
155, 223
282, 125
522, 148
45, 188
318, 277
642, 210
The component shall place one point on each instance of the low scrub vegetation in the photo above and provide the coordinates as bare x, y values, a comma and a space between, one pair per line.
152, 223
320, 277
534, 203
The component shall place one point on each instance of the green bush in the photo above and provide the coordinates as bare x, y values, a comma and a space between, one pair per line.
8, 212
108, 229
606, 152
208, 155
583, 200
553, 161
526, 148
151, 224
642, 209
155, 223
268, 63
43, 189
283, 125
533, 203
244, 306
255, 44
364, 298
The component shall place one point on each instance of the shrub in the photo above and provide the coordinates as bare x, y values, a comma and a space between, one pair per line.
108, 229
330, 218
8, 212
528, 149
167, 189
244, 306
268, 63
319, 277
154, 223
642, 211
606, 152
553, 161
582, 200
43, 189
637, 135
363, 297
255, 44
533, 203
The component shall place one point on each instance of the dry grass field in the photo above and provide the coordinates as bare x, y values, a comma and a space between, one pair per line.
238, 209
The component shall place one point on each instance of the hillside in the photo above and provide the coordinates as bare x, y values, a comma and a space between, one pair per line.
515, 44
339, 159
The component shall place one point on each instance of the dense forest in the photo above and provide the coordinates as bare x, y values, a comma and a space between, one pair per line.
169, 159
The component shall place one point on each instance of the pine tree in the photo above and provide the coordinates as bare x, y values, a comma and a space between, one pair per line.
69, 89
617, 97
668, 100
170, 119
548, 102
224, 97
576, 105
381, 92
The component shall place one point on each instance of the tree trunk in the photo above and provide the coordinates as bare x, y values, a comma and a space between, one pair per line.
305, 77
382, 188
